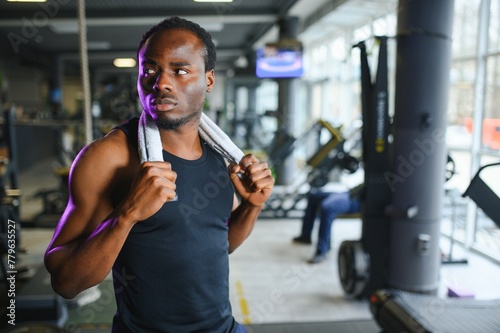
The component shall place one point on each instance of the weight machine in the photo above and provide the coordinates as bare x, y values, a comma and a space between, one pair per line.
362, 264
290, 201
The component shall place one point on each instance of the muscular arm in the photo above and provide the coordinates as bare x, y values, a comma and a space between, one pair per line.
97, 219
254, 188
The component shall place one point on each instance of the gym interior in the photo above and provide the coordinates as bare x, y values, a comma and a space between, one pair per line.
400, 95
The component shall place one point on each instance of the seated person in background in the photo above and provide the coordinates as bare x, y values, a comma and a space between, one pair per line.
327, 205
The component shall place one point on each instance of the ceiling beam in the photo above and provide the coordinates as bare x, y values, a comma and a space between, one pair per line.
223, 53
321, 12
147, 20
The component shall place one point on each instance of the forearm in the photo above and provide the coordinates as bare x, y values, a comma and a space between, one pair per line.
241, 224
83, 263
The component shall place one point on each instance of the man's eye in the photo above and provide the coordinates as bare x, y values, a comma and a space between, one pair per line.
181, 71
149, 71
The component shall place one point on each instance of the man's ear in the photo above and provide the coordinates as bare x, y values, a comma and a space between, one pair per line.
210, 80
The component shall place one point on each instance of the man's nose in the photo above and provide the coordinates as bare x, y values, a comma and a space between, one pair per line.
163, 82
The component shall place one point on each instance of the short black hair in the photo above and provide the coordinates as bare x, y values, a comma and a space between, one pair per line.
177, 23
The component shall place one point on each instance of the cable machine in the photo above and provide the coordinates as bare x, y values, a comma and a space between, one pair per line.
362, 264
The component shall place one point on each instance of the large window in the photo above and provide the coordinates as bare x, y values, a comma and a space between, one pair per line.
460, 112
332, 71
494, 28
465, 28
474, 96
491, 122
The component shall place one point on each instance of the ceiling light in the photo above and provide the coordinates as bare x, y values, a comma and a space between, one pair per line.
212, 26
124, 62
26, 0
64, 27
98, 45
213, 0
241, 62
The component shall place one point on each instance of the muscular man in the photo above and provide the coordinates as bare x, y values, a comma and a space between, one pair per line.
164, 228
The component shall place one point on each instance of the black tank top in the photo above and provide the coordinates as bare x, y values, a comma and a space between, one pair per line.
172, 272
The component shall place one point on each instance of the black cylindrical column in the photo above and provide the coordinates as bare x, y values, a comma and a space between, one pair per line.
417, 176
288, 27
251, 116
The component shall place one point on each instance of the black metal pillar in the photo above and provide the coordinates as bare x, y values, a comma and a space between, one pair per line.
417, 177
285, 172
251, 116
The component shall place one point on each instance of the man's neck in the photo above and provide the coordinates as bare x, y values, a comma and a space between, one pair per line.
184, 142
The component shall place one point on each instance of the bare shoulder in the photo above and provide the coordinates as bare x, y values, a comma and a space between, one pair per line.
103, 166
115, 144
99, 179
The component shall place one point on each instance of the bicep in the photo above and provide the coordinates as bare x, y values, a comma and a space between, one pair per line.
89, 202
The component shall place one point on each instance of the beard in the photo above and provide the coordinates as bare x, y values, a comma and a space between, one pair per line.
172, 124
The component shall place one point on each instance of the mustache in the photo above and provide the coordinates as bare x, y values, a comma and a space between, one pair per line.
159, 98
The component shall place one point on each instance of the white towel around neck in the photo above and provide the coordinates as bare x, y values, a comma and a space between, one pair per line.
151, 149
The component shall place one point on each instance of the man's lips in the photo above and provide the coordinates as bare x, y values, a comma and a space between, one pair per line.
164, 104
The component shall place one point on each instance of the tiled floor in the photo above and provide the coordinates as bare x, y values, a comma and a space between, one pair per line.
270, 274
270, 280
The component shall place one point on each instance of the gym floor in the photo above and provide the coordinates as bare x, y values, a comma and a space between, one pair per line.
272, 287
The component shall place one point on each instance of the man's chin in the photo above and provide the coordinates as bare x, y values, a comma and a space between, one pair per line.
169, 124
